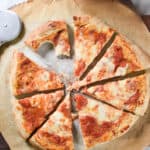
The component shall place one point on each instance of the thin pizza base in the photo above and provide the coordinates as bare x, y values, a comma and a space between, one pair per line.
56, 133
31, 112
101, 123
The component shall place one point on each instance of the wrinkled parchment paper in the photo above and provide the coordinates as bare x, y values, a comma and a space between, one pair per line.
36, 12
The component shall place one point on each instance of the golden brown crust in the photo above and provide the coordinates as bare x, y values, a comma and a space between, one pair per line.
54, 32
27, 77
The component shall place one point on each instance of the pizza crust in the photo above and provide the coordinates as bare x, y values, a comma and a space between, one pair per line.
18, 119
142, 56
142, 110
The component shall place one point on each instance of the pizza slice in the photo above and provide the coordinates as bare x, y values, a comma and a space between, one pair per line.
130, 94
121, 58
54, 32
27, 77
90, 37
101, 123
56, 133
31, 112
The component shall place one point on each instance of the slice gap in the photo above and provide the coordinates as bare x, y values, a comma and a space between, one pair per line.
37, 92
56, 132
71, 40
77, 135
113, 79
100, 123
31, 112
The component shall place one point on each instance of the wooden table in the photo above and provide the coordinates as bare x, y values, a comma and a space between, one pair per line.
146, 19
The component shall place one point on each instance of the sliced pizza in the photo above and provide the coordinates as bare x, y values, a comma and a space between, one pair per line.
28, 77
31, 112
56, 133
90, 37
99, 122
130, 94
121, 58
54, 32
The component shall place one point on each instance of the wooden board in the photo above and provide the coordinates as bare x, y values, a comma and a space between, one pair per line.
34, 13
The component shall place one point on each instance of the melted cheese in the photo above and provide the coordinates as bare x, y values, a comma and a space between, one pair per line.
44, 76
121, 71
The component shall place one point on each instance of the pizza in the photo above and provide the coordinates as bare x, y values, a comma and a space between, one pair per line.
32, 111
99, 122
56, 133
107, 92
27, 77
54, 32
130, 94
90, 38
121, 58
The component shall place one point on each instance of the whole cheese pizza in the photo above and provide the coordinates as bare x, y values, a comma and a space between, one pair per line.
107, 91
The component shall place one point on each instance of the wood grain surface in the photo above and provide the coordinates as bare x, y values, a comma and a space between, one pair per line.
146, 19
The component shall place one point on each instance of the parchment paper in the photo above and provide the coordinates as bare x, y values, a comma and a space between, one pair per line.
36, 12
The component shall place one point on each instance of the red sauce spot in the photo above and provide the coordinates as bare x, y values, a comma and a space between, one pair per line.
33, 116
58, 140
65, 110
90, 127
118, 57
81, 101
102, 37
25, 103
80, 67
133, 99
